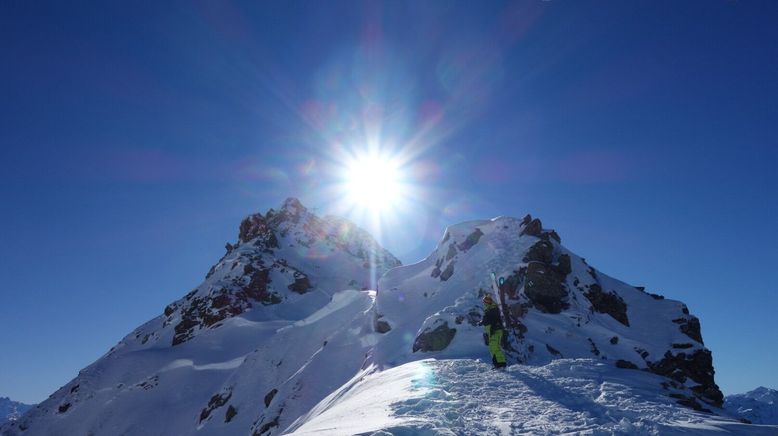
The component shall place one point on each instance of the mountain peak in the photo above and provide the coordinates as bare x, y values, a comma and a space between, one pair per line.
293, 205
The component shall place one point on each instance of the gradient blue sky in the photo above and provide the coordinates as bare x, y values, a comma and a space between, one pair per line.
135, 137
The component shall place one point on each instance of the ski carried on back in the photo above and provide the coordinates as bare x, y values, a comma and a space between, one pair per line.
506, 321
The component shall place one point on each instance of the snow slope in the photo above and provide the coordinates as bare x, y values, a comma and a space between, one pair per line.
286, 332
11, 410
466, 397
759, 406
280, 322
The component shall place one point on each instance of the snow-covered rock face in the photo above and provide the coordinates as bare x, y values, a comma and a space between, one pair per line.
554, 305
11, 410
279, 258
279, 322
759, 406
286, 322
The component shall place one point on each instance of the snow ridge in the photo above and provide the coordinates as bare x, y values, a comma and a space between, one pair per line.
307, 325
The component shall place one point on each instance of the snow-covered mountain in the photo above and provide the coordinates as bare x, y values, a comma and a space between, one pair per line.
287, 334
11, 410
759, 406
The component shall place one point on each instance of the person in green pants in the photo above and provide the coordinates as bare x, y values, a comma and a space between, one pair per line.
494, 331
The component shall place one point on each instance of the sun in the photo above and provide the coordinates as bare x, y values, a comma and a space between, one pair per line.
374, 182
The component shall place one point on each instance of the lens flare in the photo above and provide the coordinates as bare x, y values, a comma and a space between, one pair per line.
374, 182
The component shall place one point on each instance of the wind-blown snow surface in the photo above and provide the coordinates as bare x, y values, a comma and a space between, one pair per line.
759, 406
466, 397
285, 332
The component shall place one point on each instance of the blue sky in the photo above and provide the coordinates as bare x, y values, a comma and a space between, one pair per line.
134, 138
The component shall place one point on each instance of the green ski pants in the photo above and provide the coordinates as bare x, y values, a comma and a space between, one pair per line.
495, 339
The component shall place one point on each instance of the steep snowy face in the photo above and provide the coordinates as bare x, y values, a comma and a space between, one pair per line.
280, 261
759, 406
282, 320
553, 303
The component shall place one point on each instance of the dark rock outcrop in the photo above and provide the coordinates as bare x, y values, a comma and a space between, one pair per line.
256, 226
564, 266
607, 302
230, 300
452, 251
625, 364
690, 326
697, 366
216, 401
471, 240
448, 272
381, 326
269, 397
301, 283
434, 340
532, 228
545, 288
231, 413
542, 252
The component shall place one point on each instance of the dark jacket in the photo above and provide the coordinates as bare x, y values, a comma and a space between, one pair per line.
492, 318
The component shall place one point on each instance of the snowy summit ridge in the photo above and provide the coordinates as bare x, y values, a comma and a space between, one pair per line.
304, 318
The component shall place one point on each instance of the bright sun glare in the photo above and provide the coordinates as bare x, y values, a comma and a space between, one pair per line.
374, 182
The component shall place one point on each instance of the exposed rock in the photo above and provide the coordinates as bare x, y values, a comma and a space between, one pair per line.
551, 235
256, 226
594, 349
452, 251
608, 302
204, 312
690, 326
169, 309
625, 364
301, 283
448, 272
214, 403
434, 340
615, 340
533, 228
381, 326
471, 240
541, 251
545, 288
682, 346
553, 351
267, 426
697, 366
564, 266
269, 397
63, 408
231, 412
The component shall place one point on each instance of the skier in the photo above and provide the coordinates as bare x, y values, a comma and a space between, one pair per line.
494, 331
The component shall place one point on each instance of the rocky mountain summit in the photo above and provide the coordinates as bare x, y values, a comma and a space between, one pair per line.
300, 309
